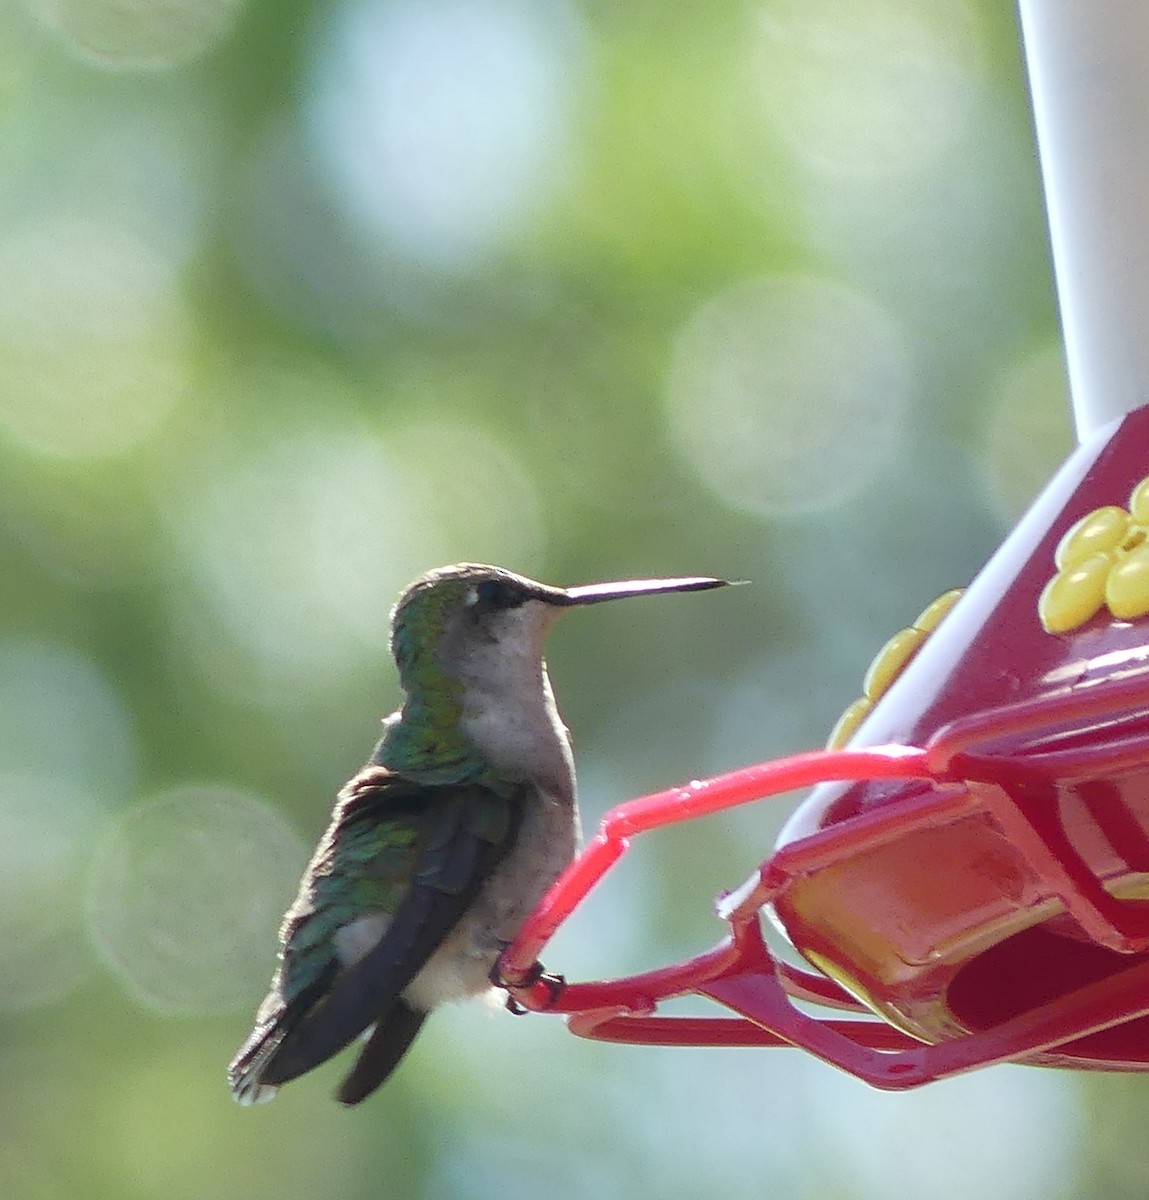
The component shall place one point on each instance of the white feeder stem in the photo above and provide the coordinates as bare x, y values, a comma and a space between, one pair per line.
1089, 75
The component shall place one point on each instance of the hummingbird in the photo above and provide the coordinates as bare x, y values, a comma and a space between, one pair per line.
445, 841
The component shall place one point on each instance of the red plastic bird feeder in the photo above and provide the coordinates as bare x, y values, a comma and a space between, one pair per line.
969, 878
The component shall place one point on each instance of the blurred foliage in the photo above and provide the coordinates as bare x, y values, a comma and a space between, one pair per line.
300, 299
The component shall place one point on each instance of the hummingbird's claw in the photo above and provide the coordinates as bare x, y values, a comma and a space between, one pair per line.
553, 983
496, 972
536, 974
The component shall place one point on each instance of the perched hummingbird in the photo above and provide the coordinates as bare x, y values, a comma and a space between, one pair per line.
443, 843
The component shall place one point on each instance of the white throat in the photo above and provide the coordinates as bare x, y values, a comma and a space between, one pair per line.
509, 711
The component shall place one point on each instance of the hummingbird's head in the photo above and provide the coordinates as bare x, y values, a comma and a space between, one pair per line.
468, 642
486, 626
447, 615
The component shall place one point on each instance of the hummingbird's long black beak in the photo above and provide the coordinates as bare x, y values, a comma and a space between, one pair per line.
592, 593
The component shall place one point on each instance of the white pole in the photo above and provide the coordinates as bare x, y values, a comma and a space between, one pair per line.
1089, 75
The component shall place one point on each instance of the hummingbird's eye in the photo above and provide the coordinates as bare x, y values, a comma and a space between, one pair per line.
493, 594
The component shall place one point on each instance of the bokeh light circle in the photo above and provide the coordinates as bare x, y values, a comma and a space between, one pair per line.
475, 498
63, 718
1030, 429
869, 88
788, 393
47, 826
186, 896
298, 526
95, 341
444, 124
295, 536
138, 34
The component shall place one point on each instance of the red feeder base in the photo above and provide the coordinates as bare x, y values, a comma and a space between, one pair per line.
980, 878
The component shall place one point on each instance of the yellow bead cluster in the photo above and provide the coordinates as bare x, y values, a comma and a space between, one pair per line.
890, 661
1102, 562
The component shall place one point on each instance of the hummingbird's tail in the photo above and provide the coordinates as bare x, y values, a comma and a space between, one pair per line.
255, 1059
393, 1034
387, 1042
245, 1074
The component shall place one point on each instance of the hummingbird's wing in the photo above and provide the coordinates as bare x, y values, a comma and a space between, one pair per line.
393, 1033
414, 858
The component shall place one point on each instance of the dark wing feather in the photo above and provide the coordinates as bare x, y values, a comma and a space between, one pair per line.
393, 1034
462, 833
451, 870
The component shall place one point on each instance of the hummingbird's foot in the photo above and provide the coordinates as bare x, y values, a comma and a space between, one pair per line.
554, 984
495, 975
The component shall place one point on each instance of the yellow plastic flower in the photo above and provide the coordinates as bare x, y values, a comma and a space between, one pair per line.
890, 661
1102, 562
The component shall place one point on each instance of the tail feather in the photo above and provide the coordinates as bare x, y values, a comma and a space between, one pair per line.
389, 1041
245, 1074
251, 1074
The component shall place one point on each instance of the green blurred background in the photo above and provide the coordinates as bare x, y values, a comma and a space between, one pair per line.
301, 297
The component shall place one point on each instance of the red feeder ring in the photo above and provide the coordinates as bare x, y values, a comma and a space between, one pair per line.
978, 877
